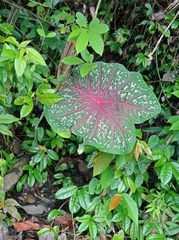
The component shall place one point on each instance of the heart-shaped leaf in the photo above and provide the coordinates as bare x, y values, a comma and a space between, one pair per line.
103, 107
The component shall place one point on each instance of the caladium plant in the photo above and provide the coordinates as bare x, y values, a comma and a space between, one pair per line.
103, 107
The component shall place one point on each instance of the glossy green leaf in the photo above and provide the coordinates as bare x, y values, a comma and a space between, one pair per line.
40, 133
52, 215
8, 118
131, 207
35, 56
74, 205
175, 126
96, 42
49, 98
82, 41
31, 180
38, 175
166, 173
119, 235
19, 65
147, 228
5, 130
81, 20
37, 157
84, 198
52, 154
72, 60
101, 162
133, 231
106, 177
65, 192
92, 229
26, 109
156, 237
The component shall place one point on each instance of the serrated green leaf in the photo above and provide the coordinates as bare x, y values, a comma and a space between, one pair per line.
49, 98
66, 192
8, 118
166, 173
131, 207
82, 41
101, 162
96, 42
35, 56
72, 60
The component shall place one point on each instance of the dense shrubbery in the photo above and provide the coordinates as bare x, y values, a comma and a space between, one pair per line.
134, 194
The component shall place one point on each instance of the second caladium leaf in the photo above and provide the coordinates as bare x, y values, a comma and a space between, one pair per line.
103, 107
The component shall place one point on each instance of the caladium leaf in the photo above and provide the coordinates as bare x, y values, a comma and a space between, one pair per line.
103, 107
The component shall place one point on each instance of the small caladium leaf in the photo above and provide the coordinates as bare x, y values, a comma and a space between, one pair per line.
103, 107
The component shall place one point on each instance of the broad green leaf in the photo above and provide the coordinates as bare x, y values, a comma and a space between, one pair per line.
72, 60
84, 218
99, 28
131, 207
52, 215
156, 237
82, 41
37, 157
84, 70
176, 93
49, 98
51, 35
8, 118
83, 226
25, 43
74, 205
13, 41
40, 133
81, 20
84, 198
166, 173
20, 65
133, 231
106, 177
173, 119
153, 141
147, 228
35, 56
96, 42
38, 175
52, 154
31, 180
26, 109
65, 192
5, 130
119, 235
175, 126
41, 32
101, 162
74, 34
93, 229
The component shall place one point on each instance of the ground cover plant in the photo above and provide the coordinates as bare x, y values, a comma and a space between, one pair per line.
89, 120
